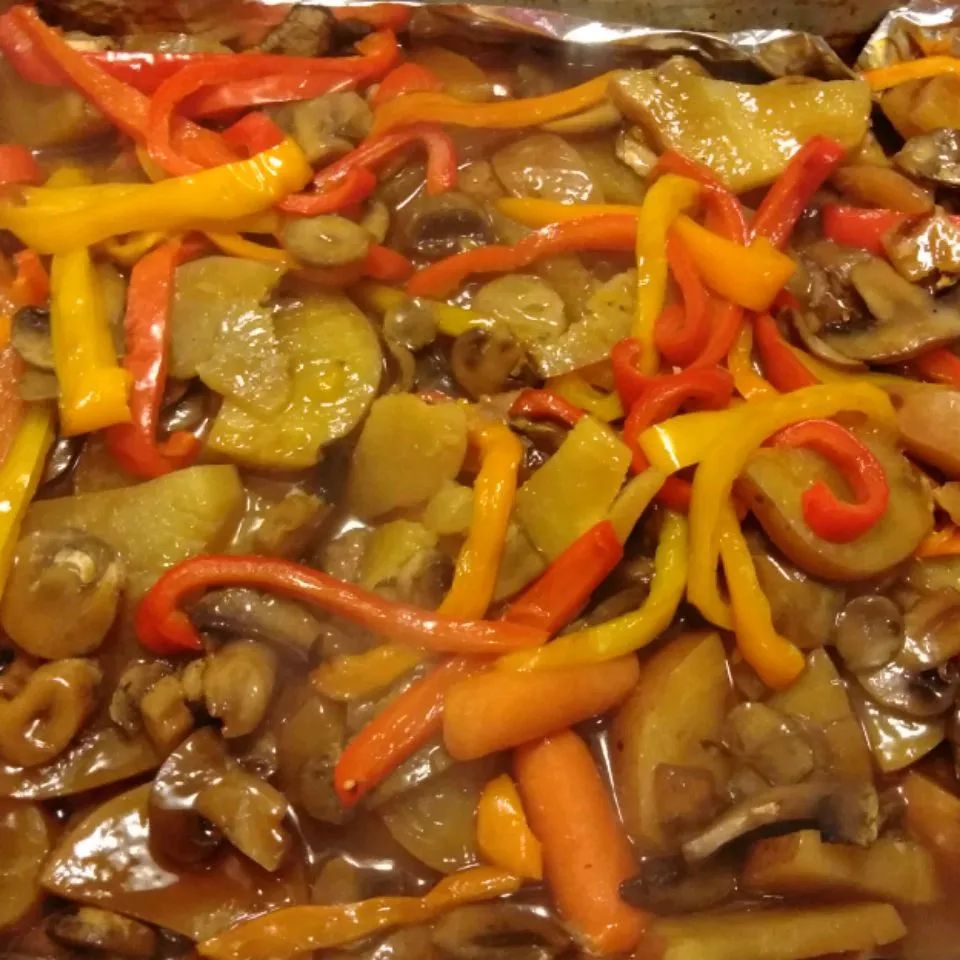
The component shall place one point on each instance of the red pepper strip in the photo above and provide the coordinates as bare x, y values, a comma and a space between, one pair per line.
610, 232
544, 405
164, 628
863, 228
17, 165
253, 133
407, 78
391, 16
827, 516
31, 285
259, 91
681, 334
441, 166
357, 184
724, 213
625, 363
725, 321
941, 365
413, 718
149, 297
793, 190
780, 365
21, 29
380, 263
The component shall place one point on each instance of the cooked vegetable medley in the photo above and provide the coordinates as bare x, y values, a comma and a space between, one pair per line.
459, 504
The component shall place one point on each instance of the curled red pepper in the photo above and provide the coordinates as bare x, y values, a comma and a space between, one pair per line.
827, 516
545, 405
253, 133
780, 365
609, 232
330, 183
407, 78
793, 190
681, 332
941, 365
165, 629
31, 282
146, 325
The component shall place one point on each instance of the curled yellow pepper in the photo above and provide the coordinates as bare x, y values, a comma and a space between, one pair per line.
19, 478
664, 202
239, 246
777, 661
451, 320
494, 490
93, 385
748, 383
749, 276
633, 500
129, 250
598, 403
504, 837
291, 931
631, 631
723, 460
58, 219
352, 676
500, 114
535, 212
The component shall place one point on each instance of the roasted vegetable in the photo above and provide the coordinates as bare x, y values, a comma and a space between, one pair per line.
25, 840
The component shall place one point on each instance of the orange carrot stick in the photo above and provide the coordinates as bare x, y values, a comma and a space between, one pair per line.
492, 711
586, 854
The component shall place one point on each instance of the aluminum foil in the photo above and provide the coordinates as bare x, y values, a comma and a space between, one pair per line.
921, 28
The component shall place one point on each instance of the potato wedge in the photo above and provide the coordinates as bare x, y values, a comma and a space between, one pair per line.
678, 706
801, 864
933, 818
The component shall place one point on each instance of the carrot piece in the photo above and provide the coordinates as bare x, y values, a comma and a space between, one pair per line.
586, 854
492, 711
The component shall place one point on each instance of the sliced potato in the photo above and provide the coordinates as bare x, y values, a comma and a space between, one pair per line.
774, 482
802, 864
778, 934
929, 422
819, 696
152, 525
678, 706
545, 165
407, 450
933, 818
25, 840
573, 490
335, 367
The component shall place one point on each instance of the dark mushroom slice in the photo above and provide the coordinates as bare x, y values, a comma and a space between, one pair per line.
932, 156
485, 361
906, 319
61, 459
500, 931
926, 250
669, 885
437, 227
238, 683
921, 695
806, 326
932, 631
844, 811
929, 423
242, 612
63, 593
869, 632
91, 928
30, 336
822, 285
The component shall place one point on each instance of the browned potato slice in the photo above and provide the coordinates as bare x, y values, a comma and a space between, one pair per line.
933, 818
775, 479
778, 934
678, 706
929, 422
801, 864
25, 840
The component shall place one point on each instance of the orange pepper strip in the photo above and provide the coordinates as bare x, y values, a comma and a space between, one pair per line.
944, 542
882, 78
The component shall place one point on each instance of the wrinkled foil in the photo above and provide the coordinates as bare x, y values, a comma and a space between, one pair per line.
920, 28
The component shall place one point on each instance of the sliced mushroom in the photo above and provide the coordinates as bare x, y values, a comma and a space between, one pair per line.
667, 885
485, 361
437, 227
90, 928
241, 612
927, 250
772, 743
922, 695
906, 319
932, 628
500, 931
326, 126
326, 241
61, 459
806, 326
822, 285
869, 632
844, 811
238, 683
933, 156
30, 336
63, 593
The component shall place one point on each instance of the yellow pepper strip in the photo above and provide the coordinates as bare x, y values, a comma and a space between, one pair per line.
882, 78
662, 204
749, 276
292, 931
723, 462
127, 252
54, 220
93, 386
19, 478
501, 114
777, 661
450, 320
573, 387
494, 491
351, 677
633, 500
885, 381
504, 837
238, 246
631, 631
748, 383
536, 213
